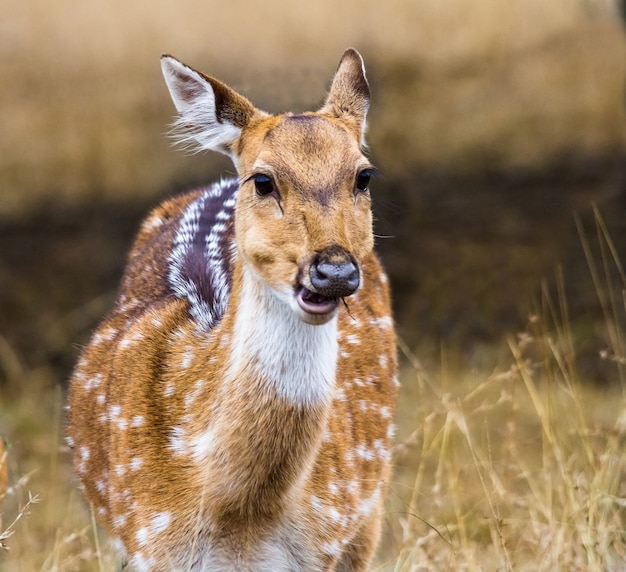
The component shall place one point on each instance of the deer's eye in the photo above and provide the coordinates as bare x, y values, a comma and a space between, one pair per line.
263, 185
363, 180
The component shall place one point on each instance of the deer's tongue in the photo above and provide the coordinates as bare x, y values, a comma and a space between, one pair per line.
315, 303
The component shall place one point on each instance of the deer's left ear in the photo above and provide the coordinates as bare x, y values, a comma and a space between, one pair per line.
349, 96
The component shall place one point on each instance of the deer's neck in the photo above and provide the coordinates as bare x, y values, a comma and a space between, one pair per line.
287, 357
263, 433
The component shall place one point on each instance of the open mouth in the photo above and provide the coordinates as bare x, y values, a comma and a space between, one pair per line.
315, 303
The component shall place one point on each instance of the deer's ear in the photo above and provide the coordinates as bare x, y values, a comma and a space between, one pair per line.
211, 115
349, 96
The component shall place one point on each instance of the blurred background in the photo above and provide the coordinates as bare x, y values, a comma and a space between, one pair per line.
498, 127
492, 122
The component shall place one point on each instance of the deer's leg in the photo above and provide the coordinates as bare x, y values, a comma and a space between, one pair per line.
360, 552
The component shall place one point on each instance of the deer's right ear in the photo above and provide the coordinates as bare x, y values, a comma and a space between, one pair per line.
210, 114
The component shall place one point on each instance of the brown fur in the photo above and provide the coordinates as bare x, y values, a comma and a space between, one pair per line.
192, 462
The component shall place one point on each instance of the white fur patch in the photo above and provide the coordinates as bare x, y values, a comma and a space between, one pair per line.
295, 359
204, 445
161, 521
178, 441
142, 536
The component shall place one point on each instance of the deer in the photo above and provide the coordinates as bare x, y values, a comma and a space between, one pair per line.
234, 410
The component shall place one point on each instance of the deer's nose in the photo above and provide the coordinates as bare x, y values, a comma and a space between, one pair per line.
334, 273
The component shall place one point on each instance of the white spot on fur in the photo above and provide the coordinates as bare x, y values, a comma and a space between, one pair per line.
105, 335
169, 390
153, 222
364, 453
161, 521
380, 449
385, 412
120, 520
192, 396
366, 506
334, 514
114, 412
326, 436
353, 339
135, 463
92, 382
178, 442
142, 536
137, 421
204, 445
131, 339
316, 504
332, 548
187, 358
141, 563
340, 394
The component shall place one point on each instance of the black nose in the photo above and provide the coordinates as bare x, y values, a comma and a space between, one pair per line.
334, 273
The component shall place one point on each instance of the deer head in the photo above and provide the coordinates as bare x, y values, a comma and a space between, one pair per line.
303, 217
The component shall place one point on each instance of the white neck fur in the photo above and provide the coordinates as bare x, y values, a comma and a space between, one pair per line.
296, 360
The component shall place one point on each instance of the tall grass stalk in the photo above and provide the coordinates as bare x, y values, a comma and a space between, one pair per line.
522, 468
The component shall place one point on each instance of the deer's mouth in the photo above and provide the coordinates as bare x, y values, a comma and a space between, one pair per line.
314, 303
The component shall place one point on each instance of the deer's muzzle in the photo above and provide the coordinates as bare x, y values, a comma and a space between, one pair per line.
334, 273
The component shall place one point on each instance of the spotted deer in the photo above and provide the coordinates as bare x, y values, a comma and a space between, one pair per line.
234, 410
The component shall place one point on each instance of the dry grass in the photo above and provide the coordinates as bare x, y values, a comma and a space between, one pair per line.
521, 470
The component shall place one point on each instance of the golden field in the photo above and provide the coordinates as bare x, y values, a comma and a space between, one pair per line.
467, 85
497, 126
